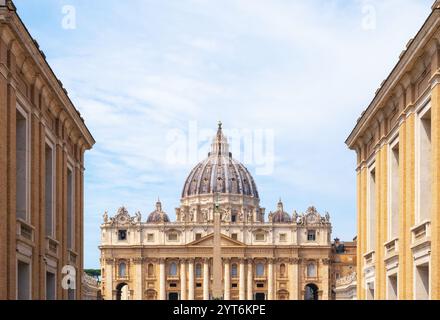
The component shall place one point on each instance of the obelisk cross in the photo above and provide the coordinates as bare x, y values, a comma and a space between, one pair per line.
217, 290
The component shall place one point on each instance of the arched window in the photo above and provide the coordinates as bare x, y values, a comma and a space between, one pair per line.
198, 270
282, 270
234, 271
311, 270
122, 269
173, 269
260, 270
150, 270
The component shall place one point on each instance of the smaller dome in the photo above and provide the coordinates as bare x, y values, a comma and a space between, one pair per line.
158, 216
280, 216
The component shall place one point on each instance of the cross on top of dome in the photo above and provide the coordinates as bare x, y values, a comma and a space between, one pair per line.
220, 145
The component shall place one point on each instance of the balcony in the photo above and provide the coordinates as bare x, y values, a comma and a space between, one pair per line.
72, 257
391, 248
369, 258
25, 231
421, 234
52, 246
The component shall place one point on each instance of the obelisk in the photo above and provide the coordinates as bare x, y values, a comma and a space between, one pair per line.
217, 289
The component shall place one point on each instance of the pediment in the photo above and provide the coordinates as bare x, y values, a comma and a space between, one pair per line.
208, 241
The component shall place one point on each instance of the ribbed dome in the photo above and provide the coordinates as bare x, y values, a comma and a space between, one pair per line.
158, 216
220, 173
280, 216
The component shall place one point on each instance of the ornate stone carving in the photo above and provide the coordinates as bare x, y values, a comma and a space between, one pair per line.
137, 260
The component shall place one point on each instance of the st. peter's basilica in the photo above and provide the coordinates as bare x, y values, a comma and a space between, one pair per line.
220, 247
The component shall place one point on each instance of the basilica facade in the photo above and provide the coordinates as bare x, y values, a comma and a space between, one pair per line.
221, 245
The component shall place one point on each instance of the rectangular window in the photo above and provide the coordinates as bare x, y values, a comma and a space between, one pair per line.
234, 236
172, 237
424, 167
49, 191
122, 235
392, 287
311, 235
371, 218
370, 291
70, 211
283, 237
50, 286
422, 282
71, 294
23, 281
198, 236
259, 236
393, 219
22, 162
150, 237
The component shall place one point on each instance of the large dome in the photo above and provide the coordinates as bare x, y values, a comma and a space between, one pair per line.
220, 173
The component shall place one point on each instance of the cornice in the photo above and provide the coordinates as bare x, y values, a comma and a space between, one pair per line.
409, 57
32, 60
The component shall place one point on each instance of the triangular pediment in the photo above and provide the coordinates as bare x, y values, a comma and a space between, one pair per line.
208, 241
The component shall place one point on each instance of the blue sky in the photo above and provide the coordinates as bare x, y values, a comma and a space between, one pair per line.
304, 70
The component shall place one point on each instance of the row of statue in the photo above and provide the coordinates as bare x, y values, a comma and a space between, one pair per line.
311, 216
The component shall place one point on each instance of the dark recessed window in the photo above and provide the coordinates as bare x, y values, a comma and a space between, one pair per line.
260, 285
173, 285
311, 235
198, 285
234, 218
122, 234
234, 285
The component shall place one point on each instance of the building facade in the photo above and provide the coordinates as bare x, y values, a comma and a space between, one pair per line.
397, 141
220, 246
91, 288
343, 263
42, 143
346, 287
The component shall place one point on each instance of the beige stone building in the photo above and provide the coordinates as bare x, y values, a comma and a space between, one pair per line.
344, 270
220, 246
397, 141
42, 143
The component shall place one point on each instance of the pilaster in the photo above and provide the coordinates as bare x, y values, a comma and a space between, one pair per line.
435, 211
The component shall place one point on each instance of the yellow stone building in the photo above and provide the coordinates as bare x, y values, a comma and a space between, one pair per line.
42, 143
220, 246
397, 141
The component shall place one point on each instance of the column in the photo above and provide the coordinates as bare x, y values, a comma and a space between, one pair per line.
250, 281
3, 174
206, 279
183, 279
409, 202
435, 207
242, 281
227, 280
138, 290
162, 280
293, 279
108, 293
191, 279
270, 288
325, 276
